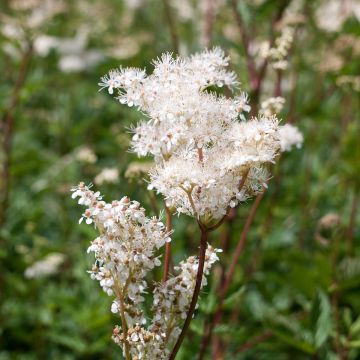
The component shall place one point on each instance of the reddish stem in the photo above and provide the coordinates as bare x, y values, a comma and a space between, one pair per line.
7, 127
245, 40
352, 221
168, 245
171, 24
199, 276
226, 284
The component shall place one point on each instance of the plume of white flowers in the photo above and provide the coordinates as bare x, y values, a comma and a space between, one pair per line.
107, 175
45, 267
202, 145
277, 54
290, 136
170, 306
207, 159
272, 106
125, 252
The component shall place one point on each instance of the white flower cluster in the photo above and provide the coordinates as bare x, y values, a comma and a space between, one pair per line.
172, 298
86, 155
202, 149
45, 267
332, 14
272, 106
137, 170
125, 252
290, 136
170, 305
277, 55
107, 175
352, 80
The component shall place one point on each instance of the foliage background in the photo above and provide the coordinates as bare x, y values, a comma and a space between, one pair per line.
292, 295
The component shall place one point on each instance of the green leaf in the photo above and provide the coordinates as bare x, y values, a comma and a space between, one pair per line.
235, 297
71, 342
321, 318
298, 344
355, 327
354, 344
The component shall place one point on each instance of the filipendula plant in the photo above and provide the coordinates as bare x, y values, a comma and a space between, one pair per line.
208, 159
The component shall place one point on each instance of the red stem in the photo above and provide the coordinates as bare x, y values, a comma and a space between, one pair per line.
350, 229
168, 245
226, 284
199, 276
245, 40
7, 127
171, 25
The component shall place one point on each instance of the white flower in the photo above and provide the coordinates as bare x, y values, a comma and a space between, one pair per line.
272, 106
290, 136
125, 250
278, 53
201, 149
45, 267
86, 155
331, 14
107, 175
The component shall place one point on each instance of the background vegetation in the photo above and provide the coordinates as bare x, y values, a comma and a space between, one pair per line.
295, 292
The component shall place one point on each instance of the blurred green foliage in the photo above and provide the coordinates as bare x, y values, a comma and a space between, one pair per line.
295, 292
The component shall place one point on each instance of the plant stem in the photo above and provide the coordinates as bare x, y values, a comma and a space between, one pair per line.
7, 128
209, 23
351, 226
124, 326
226, 284
245, 40
171, 24
120, 296
199, 276
168, 244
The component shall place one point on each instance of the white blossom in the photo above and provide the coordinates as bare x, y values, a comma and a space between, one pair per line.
331, 14
125, 252
200, 141
45, 267
272, 106
125, 249
86, 155
107, 175
290, 136
170, 306
278, 53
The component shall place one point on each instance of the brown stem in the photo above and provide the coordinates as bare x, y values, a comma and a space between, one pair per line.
351, 226
152, 200
255, 341
124, 327
168, 245
334, 256
119, 294
277, 89
200, 154
171, 24
245, 40
226, 284
209, 23
7, 127
241, 244
199, 276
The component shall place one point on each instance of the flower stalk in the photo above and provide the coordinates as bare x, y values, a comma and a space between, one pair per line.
199, 279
